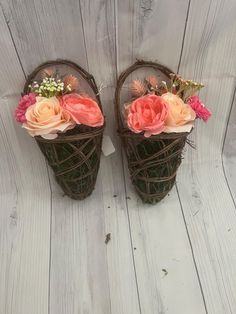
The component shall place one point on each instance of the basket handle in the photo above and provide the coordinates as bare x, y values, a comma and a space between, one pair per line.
137, 65
87, 76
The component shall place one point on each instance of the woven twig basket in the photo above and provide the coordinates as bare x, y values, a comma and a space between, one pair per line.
74, 156
153, 162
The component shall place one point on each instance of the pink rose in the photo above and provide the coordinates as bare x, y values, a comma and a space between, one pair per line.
24, 103
148, 114
83, 110
201, 111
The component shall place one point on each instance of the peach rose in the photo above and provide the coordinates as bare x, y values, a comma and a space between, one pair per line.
148, 114
46, 117
180, 115
83, 109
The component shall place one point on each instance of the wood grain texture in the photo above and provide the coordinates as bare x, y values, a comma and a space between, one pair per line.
100, 40
46, 30
150, 30
206, 200
9, 86
159, 236
215, 31
79, 279
24, 200
229, 150
163, 258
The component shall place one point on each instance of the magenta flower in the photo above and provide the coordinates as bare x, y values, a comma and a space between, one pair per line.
24, 103
201, 111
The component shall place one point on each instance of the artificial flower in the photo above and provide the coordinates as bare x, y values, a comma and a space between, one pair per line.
201, 111
46, 118
45, 73
180, 115
49, 87
24, 103
138, 88
147, 113
152, 80
84, 110
71, 82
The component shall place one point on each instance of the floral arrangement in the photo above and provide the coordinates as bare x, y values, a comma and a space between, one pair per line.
161, 107
54, 106
163, 113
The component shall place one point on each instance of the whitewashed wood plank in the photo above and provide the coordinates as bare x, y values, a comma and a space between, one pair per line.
24, 200
208, 56
208, 207
229, 152
167, 279
9, 85
150, 30
46, 29
25, 219
99, 37
79, 279
160, 240
210, 215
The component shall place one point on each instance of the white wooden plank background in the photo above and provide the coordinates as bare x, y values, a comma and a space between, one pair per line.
24, 214
25, 221
206, 200
53, 257
229, 152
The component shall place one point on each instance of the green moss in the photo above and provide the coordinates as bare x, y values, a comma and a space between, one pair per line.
75, 164
153, 164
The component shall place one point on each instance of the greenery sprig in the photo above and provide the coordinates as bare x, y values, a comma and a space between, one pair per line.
183, 88
177, 85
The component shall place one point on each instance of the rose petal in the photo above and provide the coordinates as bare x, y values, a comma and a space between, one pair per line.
84, 110
179, 113
148, 114
46, 116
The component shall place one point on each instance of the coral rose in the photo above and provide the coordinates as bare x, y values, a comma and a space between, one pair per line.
201, 111
148, 114
46, 117
180, 115
83, 110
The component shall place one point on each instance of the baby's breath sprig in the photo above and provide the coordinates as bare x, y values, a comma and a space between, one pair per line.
49, 87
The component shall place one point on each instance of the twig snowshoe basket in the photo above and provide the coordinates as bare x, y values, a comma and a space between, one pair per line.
153, 161
74, 155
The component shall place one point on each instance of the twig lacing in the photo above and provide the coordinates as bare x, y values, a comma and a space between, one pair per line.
153, 162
